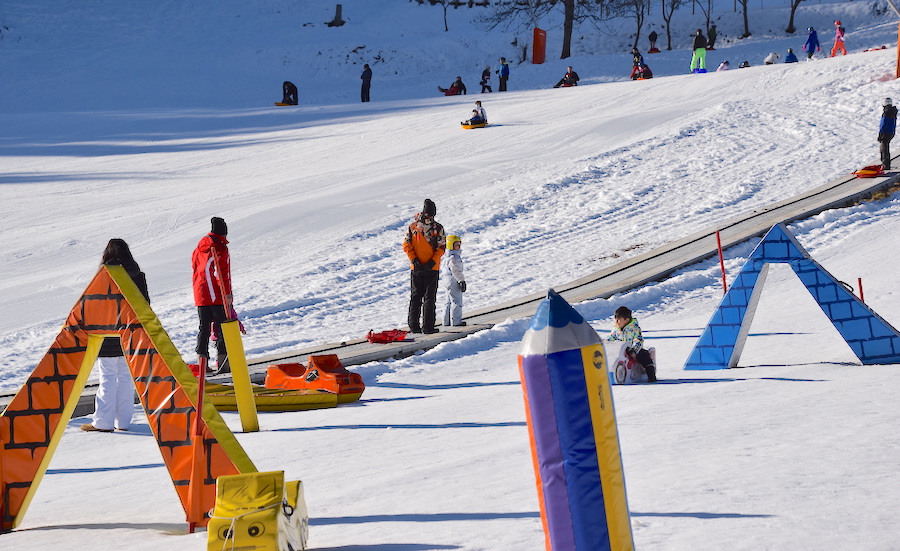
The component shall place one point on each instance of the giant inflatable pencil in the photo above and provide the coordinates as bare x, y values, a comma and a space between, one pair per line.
572, 427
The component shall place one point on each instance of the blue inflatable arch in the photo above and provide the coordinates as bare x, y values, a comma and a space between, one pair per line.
872, 339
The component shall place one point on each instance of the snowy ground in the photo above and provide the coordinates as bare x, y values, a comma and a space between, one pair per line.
791, 451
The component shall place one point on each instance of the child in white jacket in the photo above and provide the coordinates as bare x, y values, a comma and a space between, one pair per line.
454, 281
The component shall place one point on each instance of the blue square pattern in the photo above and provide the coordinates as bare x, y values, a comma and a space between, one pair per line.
714, 356
881, 329
877, 348
775, 252
724, 335
839, 311
733, 315
825, 293
856, 329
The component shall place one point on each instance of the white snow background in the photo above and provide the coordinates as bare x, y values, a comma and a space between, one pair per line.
141, 120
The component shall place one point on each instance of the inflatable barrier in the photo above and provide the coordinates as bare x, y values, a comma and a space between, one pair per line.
224, 398
325, 373
258, 512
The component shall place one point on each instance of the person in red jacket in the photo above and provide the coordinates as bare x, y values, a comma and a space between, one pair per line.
211, 267
424, 245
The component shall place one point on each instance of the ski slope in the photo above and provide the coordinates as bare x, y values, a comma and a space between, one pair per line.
147, 143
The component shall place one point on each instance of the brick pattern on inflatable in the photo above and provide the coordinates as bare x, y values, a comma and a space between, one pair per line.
872, 339
30, 425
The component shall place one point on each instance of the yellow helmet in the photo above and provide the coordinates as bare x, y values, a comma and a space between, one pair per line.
451, 240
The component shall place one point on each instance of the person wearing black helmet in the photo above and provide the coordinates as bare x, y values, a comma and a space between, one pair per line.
424, 245
886, 131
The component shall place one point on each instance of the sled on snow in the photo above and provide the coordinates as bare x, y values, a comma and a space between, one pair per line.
224, 398
628, 371
871, 171
384, 337
324, 373
653, 51
471, 126
280, 104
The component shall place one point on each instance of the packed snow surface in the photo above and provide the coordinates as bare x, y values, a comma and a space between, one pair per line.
143, 120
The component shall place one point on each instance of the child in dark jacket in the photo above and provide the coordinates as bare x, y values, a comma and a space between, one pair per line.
627, 330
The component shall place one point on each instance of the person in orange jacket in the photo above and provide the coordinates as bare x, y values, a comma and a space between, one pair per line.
209, 284
839, 33
424, 246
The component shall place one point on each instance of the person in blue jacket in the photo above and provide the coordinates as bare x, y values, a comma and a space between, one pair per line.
886, 131
790, 57
812, 43
503, 71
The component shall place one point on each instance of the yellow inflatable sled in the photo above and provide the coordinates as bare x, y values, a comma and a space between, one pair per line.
267, 399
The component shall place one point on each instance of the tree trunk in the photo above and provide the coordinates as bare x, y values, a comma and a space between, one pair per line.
790, 28
746, 22
568, 24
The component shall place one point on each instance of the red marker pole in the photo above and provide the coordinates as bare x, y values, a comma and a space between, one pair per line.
721, 262
859, 285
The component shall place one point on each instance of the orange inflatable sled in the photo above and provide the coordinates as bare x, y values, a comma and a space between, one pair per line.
325, 372
871, 171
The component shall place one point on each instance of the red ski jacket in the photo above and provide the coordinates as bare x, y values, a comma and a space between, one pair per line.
207, 289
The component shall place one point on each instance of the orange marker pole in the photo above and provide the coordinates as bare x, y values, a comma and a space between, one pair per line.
721, 262
198, 458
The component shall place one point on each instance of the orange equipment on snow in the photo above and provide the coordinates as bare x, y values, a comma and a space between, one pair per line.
871, 171
384, 337
325, 372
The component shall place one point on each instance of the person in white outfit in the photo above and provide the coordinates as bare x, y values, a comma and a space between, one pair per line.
772, 58
454, 282
114, 402
723, 66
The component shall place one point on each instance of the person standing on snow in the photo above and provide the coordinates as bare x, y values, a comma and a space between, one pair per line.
424, 245
886, 131
812, 44
838, 40
698, 58
212, 290
503, 71
637, 60
653, 36
486, 80
712, 37
366, 77
454, 282
114, 402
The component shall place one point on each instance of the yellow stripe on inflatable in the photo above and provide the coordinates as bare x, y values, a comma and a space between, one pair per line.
606, 438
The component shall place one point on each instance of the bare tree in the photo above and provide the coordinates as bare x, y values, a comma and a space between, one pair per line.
706, 6
638, 10
668, 10
790, 28
528, 12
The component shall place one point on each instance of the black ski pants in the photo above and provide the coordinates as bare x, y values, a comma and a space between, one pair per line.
423, 295
886, 152
208, 316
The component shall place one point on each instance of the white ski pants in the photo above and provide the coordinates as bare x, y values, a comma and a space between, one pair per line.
453, 306
114, 402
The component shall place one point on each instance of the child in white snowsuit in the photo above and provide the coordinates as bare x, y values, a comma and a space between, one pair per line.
454, 281
627, 330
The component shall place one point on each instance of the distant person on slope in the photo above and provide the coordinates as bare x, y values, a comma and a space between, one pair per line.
636, 61
486, 80
479, 116
886, 131
289, 93
627, 330
771, 58
454, 282
569, 79
114, 402
653, 36
812, 44
503, 72
839, 33
712, 37
424, 245
366, 77
698, 58
456, 88
790, 57
723, 66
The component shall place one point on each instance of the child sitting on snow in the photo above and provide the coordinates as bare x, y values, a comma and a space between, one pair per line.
478, 115
454, 281
627, 330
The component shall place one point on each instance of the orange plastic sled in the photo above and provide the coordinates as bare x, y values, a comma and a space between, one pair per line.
871, 171
325, 372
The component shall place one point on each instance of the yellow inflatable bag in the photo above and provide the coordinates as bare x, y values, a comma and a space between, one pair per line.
256, 512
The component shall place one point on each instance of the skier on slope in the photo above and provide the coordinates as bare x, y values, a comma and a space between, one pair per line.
812, 44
